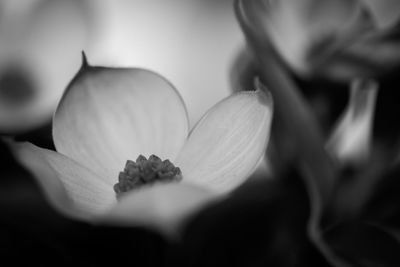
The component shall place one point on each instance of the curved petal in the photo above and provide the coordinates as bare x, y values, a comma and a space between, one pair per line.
163, 206
108, 116
70, 187
227, 143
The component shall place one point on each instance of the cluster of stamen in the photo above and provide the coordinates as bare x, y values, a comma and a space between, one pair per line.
146, 172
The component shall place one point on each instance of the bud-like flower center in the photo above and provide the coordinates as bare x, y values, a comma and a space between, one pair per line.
146, 172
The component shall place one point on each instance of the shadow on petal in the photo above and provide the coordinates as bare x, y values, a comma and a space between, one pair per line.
161, 207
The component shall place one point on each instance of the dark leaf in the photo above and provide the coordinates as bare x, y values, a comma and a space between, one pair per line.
364, 245
384, 206
262, 224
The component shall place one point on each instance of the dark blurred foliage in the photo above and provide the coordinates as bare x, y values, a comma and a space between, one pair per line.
328, 98
384, 205
370, 234
262, 224
362, 244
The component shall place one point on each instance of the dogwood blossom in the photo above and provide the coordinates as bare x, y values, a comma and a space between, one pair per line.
109, 115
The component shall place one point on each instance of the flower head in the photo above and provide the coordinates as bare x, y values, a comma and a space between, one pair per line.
108, 116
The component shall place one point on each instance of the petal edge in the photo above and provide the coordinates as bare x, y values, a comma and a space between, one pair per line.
163, 207
70, 188
110, 115
226, 144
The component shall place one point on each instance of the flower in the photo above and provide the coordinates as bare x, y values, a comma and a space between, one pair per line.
110, 115
329, 38
35, 63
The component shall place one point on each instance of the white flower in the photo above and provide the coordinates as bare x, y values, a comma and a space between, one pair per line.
108, 116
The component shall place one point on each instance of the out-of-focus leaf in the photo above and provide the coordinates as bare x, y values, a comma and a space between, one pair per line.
327, 99
383, 208
261, 224
387, 126
385, 12
365, 245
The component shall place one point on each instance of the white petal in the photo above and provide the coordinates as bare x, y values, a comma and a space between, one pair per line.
350, 141
227, 143
162, 206
70, 187
108, 116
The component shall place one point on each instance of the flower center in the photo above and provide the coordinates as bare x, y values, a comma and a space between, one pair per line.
146, 172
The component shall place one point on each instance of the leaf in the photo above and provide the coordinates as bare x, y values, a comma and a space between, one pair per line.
363, 244
261, 224
384, 206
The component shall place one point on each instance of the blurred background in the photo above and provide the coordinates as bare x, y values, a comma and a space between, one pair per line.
198, 46
190, 42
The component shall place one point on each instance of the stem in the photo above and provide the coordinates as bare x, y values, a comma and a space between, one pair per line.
297, 120
293, 112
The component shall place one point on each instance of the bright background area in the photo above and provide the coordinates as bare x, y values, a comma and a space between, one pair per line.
190, 42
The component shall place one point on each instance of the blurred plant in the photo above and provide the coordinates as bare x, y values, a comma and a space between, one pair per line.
316, 39
333, 39
108, 116
39, 41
